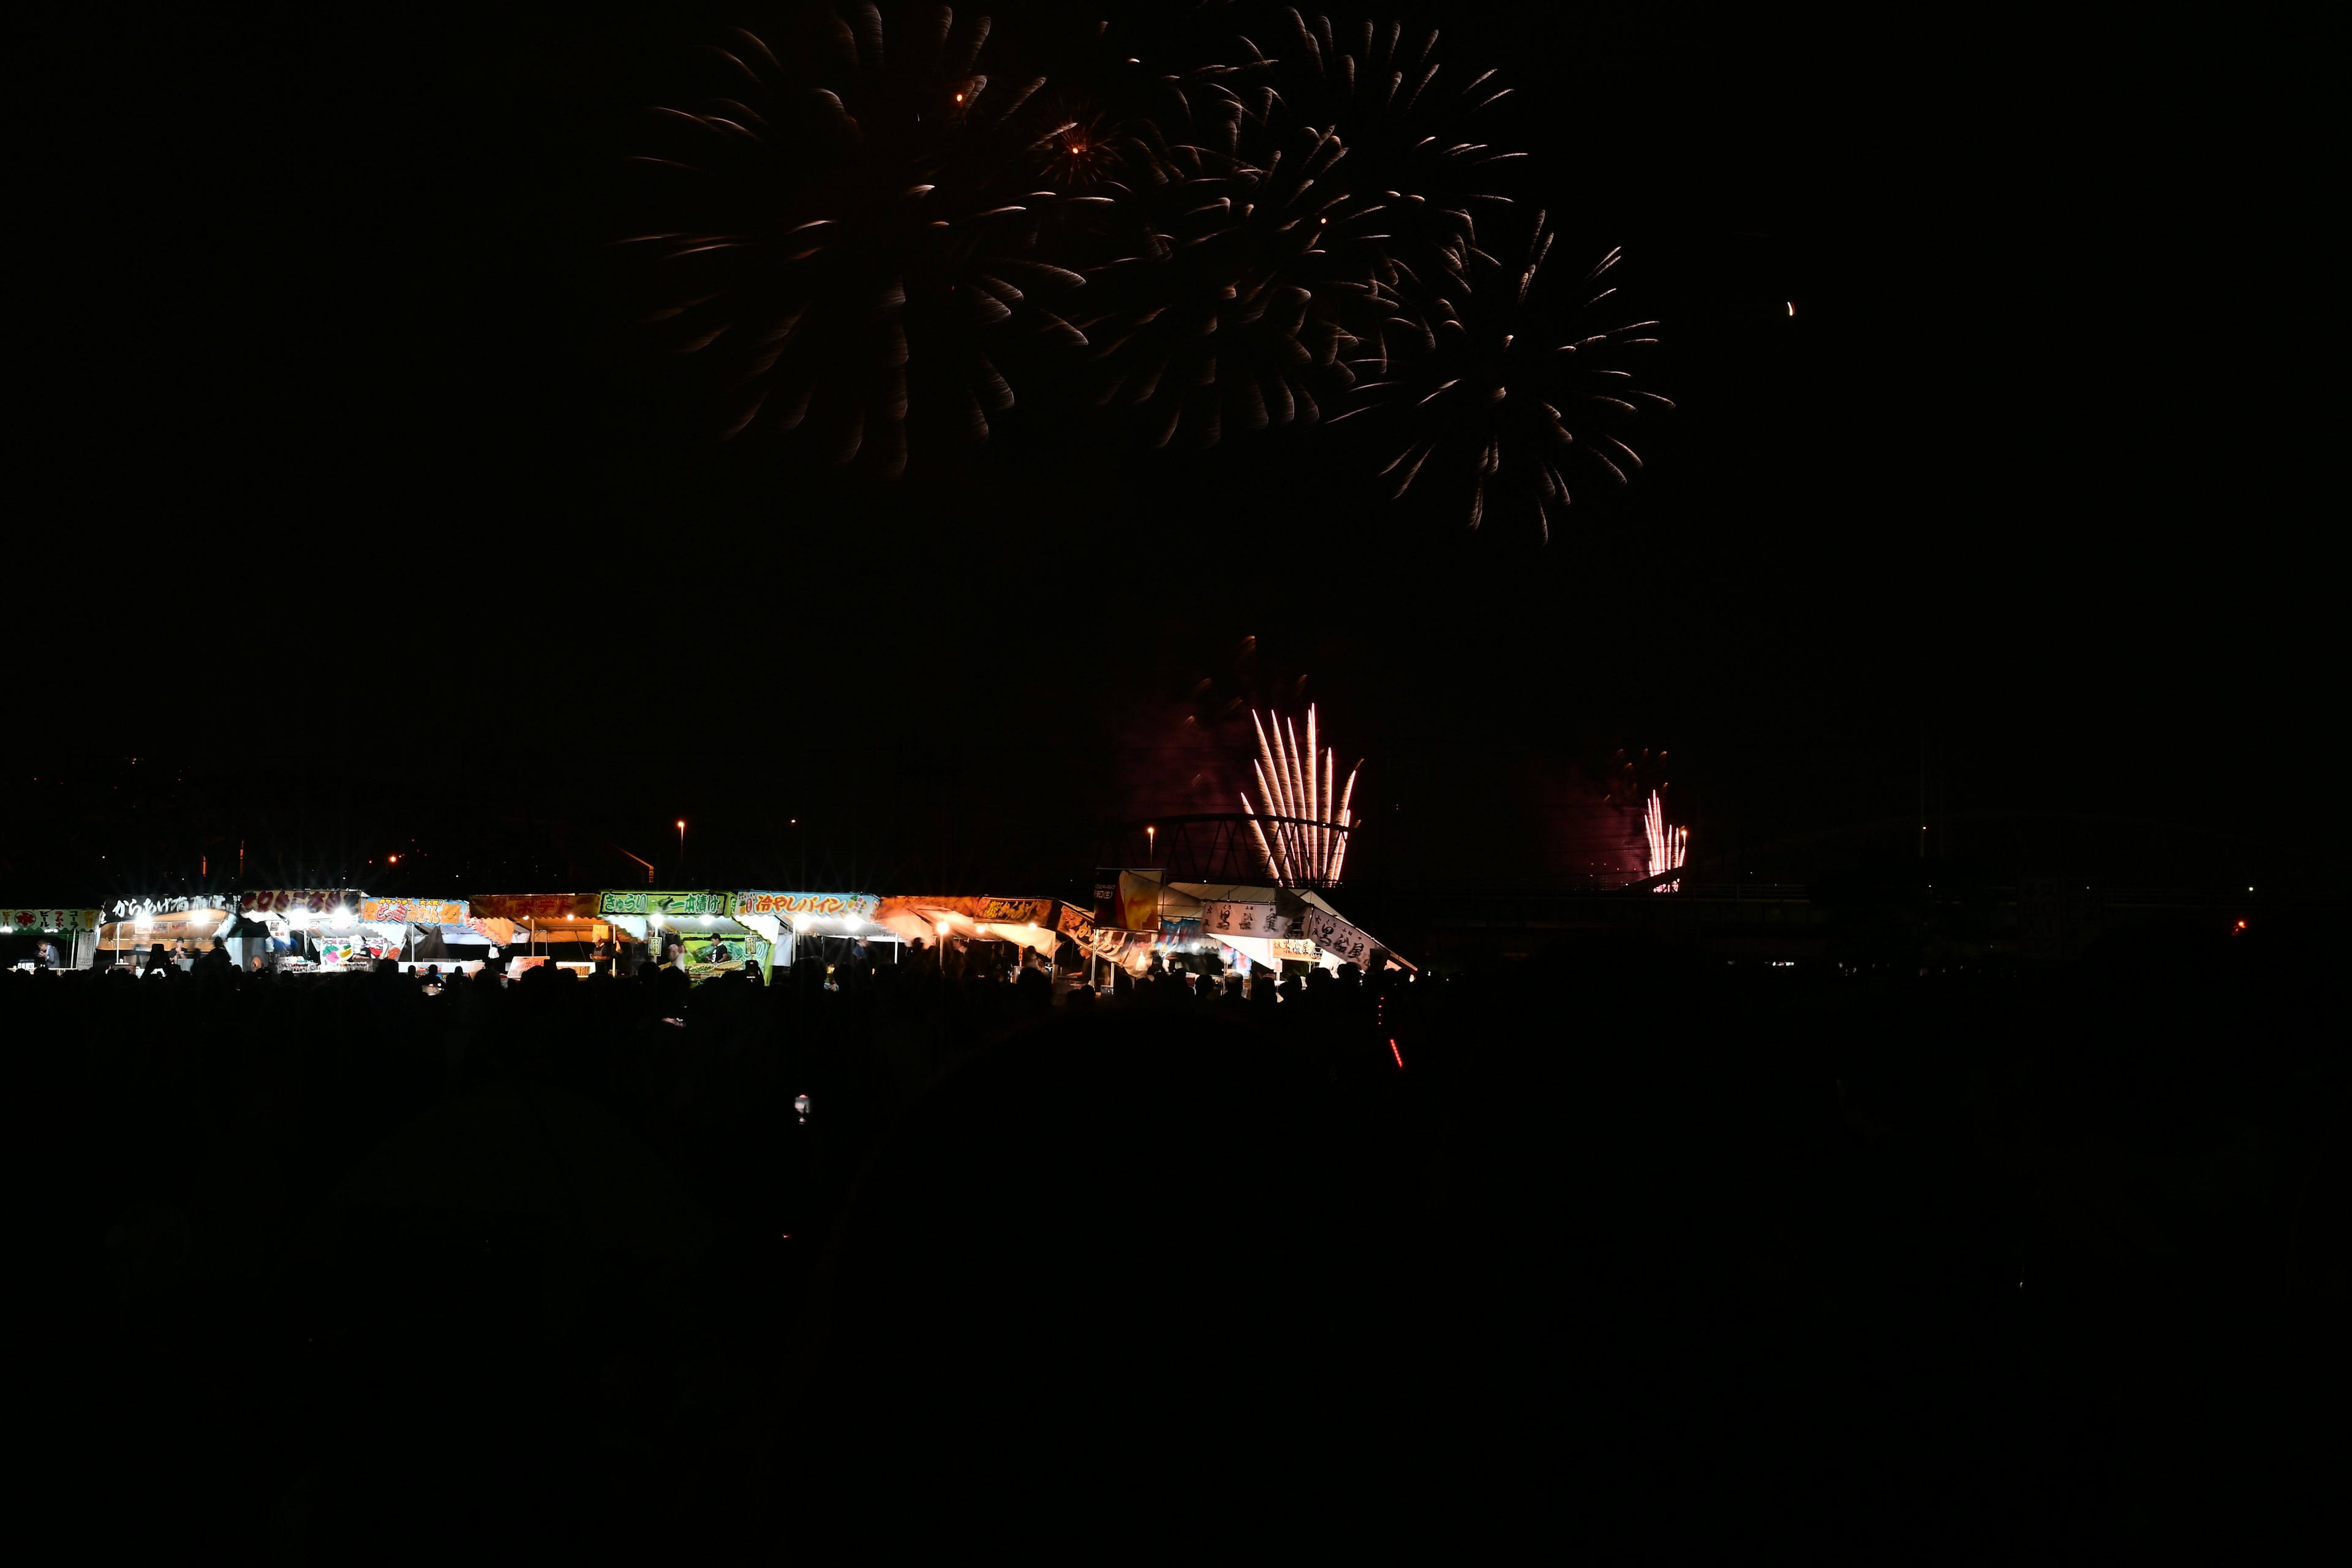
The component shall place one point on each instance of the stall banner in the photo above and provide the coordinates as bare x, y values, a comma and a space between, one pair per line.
279, 900
1334, 935
389, 943
415, 912
1127, 947
1295, 947
1237, 917
1076, 923
334, 951
827, 906
1016, 911
646, 903
52, 920
538, 906
179, 904
1138, 905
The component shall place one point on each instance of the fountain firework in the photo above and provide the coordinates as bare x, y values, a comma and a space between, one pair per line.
1308, 843
1668, 845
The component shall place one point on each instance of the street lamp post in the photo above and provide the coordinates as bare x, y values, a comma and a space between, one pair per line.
681, 846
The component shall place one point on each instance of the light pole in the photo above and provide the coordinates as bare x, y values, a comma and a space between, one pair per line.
681, 846
942, 931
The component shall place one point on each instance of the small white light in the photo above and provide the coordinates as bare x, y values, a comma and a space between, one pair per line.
710, 919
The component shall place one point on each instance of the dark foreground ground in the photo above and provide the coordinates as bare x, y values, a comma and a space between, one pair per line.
1633, 1256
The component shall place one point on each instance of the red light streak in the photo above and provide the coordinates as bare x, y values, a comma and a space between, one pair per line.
1398, 1054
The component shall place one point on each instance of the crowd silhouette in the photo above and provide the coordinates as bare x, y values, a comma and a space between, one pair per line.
1621, 1249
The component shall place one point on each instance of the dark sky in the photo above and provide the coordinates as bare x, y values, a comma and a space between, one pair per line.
350, 485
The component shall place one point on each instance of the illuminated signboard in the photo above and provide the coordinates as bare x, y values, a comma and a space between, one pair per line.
51, 920
645, 903
281, 900
826, 906
414, 911
131, 908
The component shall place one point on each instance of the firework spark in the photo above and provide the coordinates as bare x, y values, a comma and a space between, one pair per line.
1307, 846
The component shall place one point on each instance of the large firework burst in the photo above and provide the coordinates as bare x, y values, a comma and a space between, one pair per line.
861, 225
1232, 308
1414, 146
1518, 382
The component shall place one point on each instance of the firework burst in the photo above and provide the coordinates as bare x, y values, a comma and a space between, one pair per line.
1518, 388
1230, 312
858, 228
1415, 147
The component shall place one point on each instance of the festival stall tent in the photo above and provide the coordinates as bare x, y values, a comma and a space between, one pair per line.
424, 932
541, 928
139, 932
785, 920
62, 938
1036, 924
1262, 926
297, 928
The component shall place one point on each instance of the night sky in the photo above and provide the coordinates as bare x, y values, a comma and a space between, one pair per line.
356, 503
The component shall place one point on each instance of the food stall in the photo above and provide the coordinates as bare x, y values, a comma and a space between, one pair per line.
298, 931
787, 921
418, 934
559, 929
135, 932
58, 939
697, 922
1036, 924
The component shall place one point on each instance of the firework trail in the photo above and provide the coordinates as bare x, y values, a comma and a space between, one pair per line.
1308, 844
1518, 384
